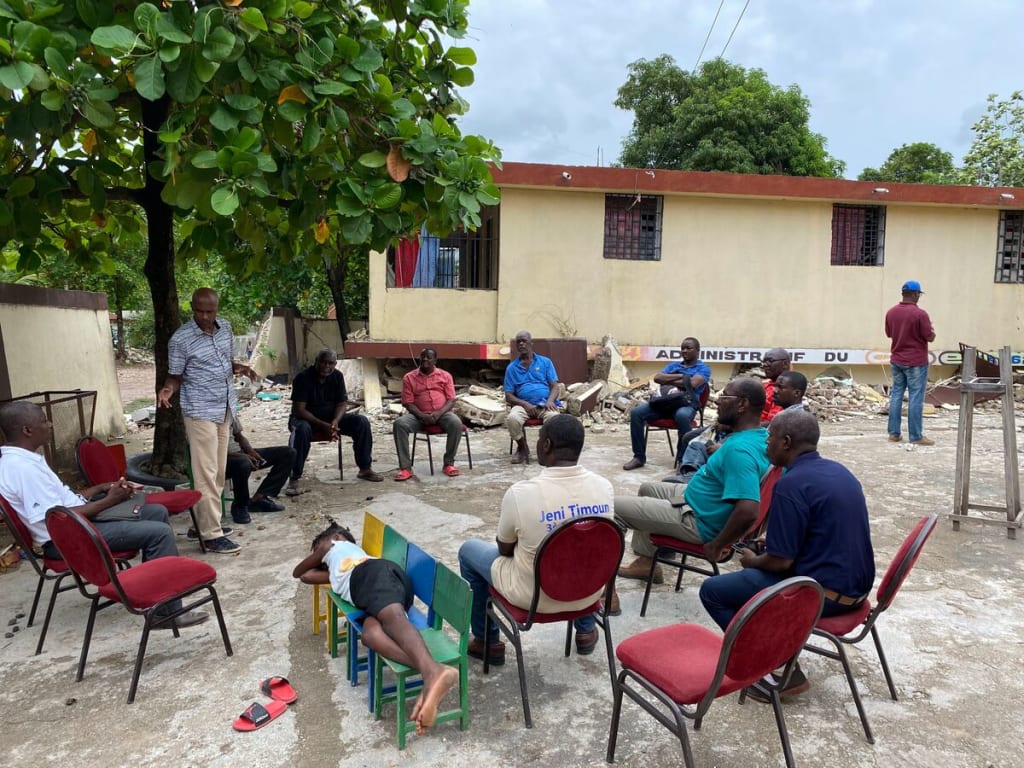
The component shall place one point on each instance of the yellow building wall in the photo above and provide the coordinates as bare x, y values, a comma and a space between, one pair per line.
55, 348
428, 314
733, 272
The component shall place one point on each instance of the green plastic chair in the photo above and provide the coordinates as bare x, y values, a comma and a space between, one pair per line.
451, 606
395, 547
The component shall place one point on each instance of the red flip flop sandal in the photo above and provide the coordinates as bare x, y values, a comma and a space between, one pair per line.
279, 689
451, 470
257, 715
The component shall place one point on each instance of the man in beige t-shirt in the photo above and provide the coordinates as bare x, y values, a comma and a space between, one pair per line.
531, 509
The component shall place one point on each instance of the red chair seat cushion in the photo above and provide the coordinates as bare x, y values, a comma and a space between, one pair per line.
531, 422
59, 566
151, 582
662, 423
845, 623
520, 614
175, 501
679, 659
670, 542
435, 429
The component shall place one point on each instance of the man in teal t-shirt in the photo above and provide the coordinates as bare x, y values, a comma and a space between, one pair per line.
719, 503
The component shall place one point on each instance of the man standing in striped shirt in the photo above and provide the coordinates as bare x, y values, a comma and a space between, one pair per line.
199, 365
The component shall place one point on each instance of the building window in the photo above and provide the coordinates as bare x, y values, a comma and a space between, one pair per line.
460, 260
858, 235
1009, 264
632, 227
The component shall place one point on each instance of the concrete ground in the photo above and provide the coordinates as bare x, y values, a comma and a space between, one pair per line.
953, 639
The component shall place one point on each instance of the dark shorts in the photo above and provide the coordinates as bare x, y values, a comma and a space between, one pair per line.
376, 584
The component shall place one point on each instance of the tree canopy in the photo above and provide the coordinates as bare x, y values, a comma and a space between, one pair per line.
260, 130
722, 118
996, 156
917, 163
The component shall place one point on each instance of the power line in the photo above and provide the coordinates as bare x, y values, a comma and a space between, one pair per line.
713, 21
722, 54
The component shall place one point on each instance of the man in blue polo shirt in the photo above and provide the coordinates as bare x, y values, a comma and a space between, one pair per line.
531, 388
817, 527
691, 369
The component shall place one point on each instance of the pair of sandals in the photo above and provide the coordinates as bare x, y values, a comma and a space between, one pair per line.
257, 715
406, 474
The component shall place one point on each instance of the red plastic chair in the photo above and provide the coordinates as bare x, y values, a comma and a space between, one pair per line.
685, 667
574, 561
668, 426
142, 590
836, 628
98, 465
435, 429
46, 568
669, 546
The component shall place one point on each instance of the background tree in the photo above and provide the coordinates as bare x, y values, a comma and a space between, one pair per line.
917, 163
996, 156
263, 130
723, 118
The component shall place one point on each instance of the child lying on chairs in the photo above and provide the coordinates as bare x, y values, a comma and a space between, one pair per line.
384, 591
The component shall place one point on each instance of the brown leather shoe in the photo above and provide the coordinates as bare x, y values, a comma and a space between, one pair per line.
614, 609
369, 474
923, 441
633, 463
895, 438
521, 457
495, 651
639, 569
586, 642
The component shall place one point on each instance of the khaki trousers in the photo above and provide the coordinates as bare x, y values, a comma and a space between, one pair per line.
658, 508
517, 417
208, 447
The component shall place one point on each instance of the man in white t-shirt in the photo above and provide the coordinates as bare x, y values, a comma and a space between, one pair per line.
530, 509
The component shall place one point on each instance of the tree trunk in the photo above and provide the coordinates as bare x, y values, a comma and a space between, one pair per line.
169, 437
119, 316
336, 272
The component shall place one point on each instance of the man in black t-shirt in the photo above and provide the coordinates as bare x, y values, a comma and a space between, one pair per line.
319, 400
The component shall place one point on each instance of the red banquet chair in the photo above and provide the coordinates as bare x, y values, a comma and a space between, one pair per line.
142, 590
435, 429
574, 561
685, 667
669, 546
528, 423
97, 464
46, 568
836, 629
668, 426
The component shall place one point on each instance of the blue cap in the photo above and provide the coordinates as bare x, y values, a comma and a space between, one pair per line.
912, 286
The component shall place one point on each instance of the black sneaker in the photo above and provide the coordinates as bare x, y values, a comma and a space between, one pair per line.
222, 545
798, 683
224, 531
266, 504
241, 515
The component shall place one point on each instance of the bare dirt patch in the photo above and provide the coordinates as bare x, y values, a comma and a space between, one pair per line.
137, 381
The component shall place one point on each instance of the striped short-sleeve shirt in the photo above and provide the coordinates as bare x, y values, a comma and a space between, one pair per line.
203, 361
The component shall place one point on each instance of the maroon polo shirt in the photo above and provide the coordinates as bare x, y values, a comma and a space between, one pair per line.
909, 327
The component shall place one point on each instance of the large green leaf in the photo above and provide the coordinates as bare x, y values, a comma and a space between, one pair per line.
388, 196
254, 18
16, 75
205, 159
368, 60
464, 56
149, 78
116, 40
373, 159
99, 113
168, 31
224, 200
219, 45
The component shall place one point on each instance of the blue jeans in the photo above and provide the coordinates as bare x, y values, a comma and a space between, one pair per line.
475, 559
643, 413
724, 595
912, 378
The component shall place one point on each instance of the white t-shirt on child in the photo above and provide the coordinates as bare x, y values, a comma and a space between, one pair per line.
340, 559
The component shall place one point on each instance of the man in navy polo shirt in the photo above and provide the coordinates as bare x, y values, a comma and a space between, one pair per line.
531, 389
817, 527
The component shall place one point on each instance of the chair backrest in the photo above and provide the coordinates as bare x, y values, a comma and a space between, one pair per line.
903, 561
420, 568
771, 477
22, 535
452, 600
373, 535
81, 546
769, 630
395, 548
95, 461
577, 559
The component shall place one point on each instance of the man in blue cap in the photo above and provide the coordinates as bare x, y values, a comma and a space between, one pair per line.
910, 329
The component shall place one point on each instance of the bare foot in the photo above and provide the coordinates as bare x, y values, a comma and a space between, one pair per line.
425, 711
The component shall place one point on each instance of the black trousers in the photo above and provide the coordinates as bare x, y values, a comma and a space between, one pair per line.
353, 425
279, 458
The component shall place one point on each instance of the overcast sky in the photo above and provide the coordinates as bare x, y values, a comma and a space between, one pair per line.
878, 73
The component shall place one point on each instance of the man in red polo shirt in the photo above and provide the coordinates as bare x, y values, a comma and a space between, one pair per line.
428, 393
775, 362
910, 329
